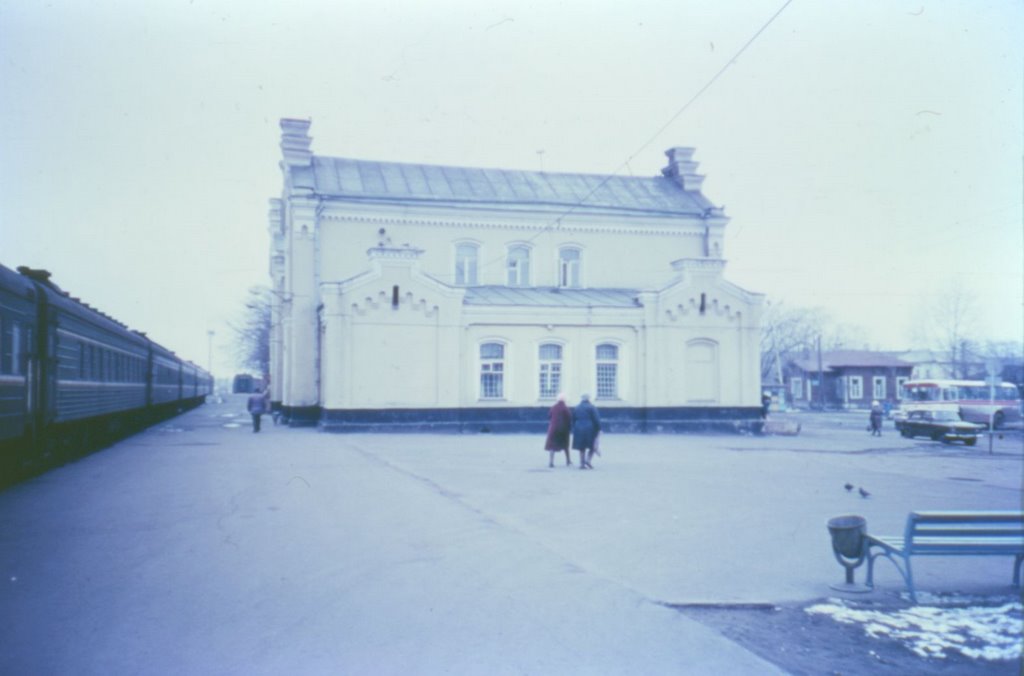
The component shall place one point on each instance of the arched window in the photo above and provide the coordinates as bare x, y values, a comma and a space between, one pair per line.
550, 357
518, 263
607, 371
569, 268
465, 264
492, 371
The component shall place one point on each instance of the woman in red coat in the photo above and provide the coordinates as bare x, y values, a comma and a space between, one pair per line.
559, 426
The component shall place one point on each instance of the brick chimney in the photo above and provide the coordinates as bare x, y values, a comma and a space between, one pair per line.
682, 169
295, 142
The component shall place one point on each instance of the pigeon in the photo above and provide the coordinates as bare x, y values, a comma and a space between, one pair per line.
848, 487
863, 493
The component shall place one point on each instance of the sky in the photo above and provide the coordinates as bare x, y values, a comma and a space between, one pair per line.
868, 152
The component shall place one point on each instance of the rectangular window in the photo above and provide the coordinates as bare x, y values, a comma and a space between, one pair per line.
569, 268
16, 349
900, 382
492, 371
607, 372
518, 266
465, 265
856, 387
796, 388
6, 344
607, 380
550, 371
878, 388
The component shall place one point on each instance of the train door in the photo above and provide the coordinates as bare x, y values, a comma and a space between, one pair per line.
32, 375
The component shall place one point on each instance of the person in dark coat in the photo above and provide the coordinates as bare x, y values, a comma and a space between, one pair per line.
875, 418
257, 406
586, 425
559, 427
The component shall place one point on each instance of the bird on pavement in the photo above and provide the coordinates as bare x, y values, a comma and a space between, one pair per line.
848, 487
863, 493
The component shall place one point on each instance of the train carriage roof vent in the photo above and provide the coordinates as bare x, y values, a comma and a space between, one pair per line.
38, 275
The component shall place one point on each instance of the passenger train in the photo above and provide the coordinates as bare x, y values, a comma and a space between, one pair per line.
73, 380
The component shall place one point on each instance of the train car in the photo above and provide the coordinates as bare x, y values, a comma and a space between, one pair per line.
165, 377
73, 379
18, 368
197, 384
99, 369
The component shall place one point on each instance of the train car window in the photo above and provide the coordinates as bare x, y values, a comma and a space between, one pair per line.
5, 345
16, 348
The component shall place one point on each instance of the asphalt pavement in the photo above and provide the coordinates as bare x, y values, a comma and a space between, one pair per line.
199, 547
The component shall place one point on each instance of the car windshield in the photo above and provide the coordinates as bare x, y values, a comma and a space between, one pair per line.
945, 416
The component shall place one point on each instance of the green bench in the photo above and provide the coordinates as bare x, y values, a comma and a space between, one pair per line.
995, 533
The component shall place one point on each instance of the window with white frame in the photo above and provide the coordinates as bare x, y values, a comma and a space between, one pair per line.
569, 268
856, 387
607, 371
796, 387
550, 370
878, 387
466, 264
900, 382
518, 264
492, 371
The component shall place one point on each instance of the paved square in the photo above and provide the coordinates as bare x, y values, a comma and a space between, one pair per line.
201, 547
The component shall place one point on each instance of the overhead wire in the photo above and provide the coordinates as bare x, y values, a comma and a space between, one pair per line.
557, 221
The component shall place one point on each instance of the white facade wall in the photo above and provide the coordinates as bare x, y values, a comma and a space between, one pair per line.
368, 316
346, 231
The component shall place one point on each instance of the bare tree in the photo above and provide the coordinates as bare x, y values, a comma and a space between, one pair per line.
950, 325
791, 332
252, 332
786, 333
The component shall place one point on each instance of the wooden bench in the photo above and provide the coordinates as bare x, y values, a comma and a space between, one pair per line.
995, 533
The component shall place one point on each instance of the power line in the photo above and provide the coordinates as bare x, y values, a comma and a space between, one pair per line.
557, 221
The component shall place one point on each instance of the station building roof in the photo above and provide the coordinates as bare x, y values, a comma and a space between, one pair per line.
837, 359
393, 181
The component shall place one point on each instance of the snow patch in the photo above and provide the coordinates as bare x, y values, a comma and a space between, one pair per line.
960, 624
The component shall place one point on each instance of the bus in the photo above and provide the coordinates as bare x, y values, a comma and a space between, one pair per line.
974, 400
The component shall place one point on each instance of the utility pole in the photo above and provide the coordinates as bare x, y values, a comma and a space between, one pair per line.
821, 378
209, 351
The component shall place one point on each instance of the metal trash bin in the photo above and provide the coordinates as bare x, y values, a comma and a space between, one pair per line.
849, 547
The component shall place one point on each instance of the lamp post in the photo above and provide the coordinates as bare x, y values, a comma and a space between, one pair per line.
209, 351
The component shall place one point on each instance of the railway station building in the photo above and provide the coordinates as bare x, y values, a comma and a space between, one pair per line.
421, 297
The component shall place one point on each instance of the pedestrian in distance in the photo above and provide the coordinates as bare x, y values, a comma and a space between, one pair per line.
559, 427
875, 419
766, 404
258, 404
586, 425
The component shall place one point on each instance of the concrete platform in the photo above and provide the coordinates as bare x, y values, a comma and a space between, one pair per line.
199, 547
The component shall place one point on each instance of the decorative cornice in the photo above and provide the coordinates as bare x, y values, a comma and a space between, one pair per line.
382, 301
712, 306
695, 228
701, 264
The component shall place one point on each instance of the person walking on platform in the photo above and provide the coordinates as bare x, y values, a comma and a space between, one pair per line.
257, 406
559, 427
586, 425
875, 419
